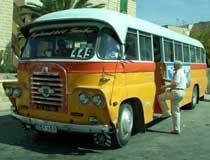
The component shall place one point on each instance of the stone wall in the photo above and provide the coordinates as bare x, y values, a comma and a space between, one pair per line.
6, 13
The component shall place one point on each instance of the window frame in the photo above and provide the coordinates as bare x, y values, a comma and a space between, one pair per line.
181, 49
133, 32
146, 35
166, 40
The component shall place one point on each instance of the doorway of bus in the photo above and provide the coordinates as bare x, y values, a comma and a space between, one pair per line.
157, 49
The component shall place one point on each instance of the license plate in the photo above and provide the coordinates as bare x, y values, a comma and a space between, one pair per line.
46, 128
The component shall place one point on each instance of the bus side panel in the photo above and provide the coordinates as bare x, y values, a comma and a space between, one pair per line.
198, 76
140, 83
142, 86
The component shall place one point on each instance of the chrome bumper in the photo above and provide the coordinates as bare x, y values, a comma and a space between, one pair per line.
64, 126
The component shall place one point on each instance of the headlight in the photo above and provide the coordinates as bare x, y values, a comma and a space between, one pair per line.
84, 98
17, 92
9, 91
98, 100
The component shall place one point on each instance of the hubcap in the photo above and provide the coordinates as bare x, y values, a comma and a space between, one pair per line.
194, 98
126, 122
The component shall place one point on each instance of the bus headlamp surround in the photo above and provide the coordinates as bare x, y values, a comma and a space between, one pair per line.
84, 98
13, 92
98, 100
9, 91
17, 92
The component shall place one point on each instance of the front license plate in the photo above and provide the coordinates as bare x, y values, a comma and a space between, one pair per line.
46, 128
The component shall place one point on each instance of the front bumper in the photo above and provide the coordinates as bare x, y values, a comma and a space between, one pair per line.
64, 126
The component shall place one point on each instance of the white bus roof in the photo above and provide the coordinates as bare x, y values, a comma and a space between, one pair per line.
120, 22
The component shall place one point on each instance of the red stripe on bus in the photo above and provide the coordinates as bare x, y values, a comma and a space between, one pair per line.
198, 66
96, 67
23, 66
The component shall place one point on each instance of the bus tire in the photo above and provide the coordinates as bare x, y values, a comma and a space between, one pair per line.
125, 125
195, 99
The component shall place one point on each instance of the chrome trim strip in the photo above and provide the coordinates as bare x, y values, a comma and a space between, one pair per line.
47, 98
55, 89
46, 74
47, 103
46, 79
55, 94
47, 84
65, 60
65, 126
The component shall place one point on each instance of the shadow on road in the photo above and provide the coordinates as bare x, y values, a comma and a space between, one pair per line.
155, 121
206, 100
158, 131
12, 133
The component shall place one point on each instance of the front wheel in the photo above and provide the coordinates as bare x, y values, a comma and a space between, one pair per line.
125, 125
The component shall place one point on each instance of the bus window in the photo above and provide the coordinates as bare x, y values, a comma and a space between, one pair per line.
131, 46
109, 46
157, 50
198, 55
66, 43
186, 53
203, 55
145, 47
192, 53
168, 50
178, 52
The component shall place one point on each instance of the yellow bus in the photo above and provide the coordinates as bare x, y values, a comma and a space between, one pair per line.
98, 71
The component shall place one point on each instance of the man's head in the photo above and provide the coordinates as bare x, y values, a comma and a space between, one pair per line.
177, 65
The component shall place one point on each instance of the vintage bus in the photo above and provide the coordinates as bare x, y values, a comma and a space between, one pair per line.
98, 71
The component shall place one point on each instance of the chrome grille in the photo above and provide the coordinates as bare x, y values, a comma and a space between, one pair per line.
47, 91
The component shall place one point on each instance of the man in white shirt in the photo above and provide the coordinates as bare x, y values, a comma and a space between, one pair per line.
176, 94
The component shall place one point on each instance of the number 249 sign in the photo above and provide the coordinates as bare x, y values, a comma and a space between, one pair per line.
81, 53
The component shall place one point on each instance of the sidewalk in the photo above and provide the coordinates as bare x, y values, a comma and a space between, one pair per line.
4, 106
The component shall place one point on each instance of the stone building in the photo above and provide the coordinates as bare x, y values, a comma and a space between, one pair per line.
115, 5
6, 12
185, 29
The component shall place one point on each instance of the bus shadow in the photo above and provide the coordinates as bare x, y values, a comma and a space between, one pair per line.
158, 131
156, 121
13, 134
206, 100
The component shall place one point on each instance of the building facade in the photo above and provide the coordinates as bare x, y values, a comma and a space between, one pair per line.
115, 5
6, 12
185, 29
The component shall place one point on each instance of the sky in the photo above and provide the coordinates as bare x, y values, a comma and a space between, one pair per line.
173, 12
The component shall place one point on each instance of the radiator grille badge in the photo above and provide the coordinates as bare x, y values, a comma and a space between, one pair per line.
46, 91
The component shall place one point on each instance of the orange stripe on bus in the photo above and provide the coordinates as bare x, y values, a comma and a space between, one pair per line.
198, 66
96, 67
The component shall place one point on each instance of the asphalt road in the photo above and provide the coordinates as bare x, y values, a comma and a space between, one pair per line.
156, 144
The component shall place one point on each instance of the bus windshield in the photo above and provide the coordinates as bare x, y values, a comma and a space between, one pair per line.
70, 43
